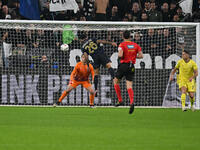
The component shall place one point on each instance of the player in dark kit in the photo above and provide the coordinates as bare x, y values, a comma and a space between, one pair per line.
92, 47
128, 51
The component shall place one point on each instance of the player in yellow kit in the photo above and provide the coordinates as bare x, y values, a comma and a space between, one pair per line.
188, 71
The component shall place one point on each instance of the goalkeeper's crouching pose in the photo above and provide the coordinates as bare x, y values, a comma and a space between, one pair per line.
80, 76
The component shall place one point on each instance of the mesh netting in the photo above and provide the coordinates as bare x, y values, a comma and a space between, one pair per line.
34, 70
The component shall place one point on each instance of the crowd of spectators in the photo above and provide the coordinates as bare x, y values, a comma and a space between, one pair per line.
110, 10
37, 47
46, 43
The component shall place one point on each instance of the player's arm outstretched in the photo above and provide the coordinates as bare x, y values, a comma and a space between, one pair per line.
140, 55
107, 42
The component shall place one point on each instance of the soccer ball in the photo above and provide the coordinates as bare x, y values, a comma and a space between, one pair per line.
64, 47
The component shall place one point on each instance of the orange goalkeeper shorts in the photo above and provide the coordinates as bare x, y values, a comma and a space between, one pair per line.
85, 84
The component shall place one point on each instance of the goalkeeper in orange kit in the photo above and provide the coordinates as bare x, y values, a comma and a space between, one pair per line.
80, 76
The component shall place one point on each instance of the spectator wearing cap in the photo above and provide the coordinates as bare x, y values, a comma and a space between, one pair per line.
154, 14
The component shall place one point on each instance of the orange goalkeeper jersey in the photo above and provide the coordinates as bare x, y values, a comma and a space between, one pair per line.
81, 72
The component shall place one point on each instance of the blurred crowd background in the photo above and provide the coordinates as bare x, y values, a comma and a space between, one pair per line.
111, 10
37, 47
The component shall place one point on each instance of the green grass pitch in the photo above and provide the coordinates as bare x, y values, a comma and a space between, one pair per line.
33, 128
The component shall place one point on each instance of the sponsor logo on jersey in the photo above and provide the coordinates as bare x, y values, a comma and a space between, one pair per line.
130, 46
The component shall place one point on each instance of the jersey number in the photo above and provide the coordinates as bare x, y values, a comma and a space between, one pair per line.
91, 47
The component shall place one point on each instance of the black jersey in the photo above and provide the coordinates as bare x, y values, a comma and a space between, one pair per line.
92, 48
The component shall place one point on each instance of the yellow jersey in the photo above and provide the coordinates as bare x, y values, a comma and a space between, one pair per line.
186, 70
